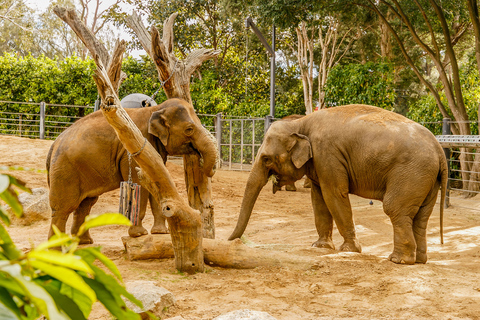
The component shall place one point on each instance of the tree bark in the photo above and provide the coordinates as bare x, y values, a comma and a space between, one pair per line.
220, 253
185, 224
175, 76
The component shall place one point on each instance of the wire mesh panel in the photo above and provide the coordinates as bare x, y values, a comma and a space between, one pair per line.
240, 140
20, 119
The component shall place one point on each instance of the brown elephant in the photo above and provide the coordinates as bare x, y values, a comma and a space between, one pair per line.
87, 160
361, 150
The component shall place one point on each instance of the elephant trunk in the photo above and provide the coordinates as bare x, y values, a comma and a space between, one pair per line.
256, 181
205, 144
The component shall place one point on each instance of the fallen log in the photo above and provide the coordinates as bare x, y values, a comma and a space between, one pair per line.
220, 253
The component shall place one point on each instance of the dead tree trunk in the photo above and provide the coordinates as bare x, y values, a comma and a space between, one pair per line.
185, 224
175, 75
220, 253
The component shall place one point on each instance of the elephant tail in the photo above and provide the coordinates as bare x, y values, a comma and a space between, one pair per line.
49, 157
443, 175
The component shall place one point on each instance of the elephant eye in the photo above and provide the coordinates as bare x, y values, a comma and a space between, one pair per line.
189, 131
267, 161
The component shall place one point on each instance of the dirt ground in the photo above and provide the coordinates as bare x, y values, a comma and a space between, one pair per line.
338, 286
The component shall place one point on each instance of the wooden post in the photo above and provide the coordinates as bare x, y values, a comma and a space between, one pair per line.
184, 222
175, 77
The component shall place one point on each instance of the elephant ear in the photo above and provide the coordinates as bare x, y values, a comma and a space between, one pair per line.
301, 150
158, 126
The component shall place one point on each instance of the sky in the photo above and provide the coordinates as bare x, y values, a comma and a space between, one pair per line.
42, 5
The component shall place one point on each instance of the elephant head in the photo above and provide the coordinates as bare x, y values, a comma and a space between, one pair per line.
283, 156
173, 124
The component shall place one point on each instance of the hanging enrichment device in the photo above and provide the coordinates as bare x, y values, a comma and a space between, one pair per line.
130, 193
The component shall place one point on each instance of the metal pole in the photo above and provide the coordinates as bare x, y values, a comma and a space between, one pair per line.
446, 131
253, 141
218, 136
42, 120
97, 104
272, 76
268, 122
241, 144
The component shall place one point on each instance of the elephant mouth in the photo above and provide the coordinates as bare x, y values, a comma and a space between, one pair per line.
279, 181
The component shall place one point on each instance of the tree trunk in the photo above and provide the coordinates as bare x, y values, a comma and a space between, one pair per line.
220, 253
175, 77
185, 224
305, 63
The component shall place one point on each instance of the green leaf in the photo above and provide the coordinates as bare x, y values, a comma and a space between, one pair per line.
11, 285
114, 287
4, 216
67, 260
117, 308
9, 248
65, 303
4, 182
97, 254
8, 303
81, 300
19, 183
67, 276
103, 220
11, 198
36, 294
55, 241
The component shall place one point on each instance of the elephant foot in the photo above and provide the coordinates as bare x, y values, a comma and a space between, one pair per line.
85, 239
290, 187
351, 245
402, 258
421, 257
328, 244
161, 229
137, 231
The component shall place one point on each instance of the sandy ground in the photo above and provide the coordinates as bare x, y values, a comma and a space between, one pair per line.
338, 286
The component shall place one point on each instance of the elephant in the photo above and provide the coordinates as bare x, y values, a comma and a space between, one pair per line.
355, 149
88, 159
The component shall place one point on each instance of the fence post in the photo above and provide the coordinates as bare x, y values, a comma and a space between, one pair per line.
268, 122
97, 105
446, 131
42, 120
218, 136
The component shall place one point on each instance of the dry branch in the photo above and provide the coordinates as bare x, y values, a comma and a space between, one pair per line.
175, 76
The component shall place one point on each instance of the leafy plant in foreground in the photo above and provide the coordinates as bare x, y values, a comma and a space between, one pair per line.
57, 284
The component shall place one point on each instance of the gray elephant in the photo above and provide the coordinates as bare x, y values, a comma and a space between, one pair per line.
361, 150
87, 160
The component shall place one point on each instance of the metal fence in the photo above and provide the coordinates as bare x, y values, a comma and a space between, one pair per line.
238, 138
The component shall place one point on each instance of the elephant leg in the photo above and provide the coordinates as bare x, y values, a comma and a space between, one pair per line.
291, 187
139, 230
323, 219
79, 218
420, 225
401, 215
338, 204
61, 209
159, 225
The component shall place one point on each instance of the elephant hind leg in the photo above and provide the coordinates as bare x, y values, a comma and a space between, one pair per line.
420, 225
159, 221
79, 218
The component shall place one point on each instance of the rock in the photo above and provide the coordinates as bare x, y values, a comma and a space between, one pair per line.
245, 315
155, 299
36, 207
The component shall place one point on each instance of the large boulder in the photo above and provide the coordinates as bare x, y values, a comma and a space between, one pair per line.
36, 207
155, 299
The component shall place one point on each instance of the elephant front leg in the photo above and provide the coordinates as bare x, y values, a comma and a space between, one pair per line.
79, 216
159, 221
323, 219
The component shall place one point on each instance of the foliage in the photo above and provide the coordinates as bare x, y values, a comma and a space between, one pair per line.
370, 83
57, 284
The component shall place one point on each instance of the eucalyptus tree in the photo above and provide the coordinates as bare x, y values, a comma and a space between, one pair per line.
16, 27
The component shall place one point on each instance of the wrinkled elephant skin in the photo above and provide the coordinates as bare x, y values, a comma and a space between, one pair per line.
87, 160
361, 150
